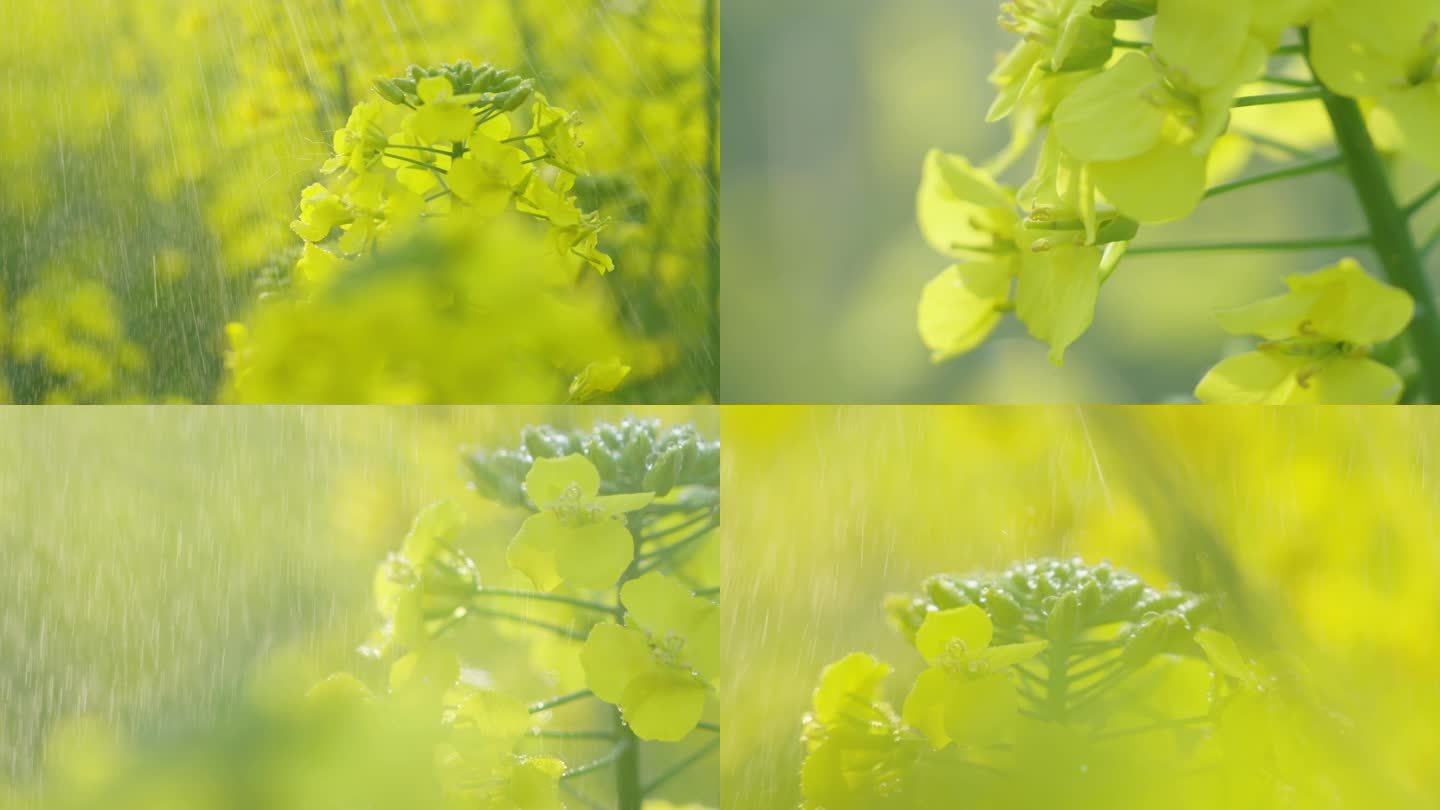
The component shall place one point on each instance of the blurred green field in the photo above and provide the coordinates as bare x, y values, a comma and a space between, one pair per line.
830, 113
1316, 528
163, 569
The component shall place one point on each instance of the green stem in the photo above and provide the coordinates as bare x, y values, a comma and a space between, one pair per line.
618, 752
669, 530
708, 591
1279, 174
653, 559
715, 727
679, 767
581, 797
1227, 247
1058, 686
1264, 99
1131, 44
445, 152
1096, 669
419, 163
628, 792
546, 597
559, 700
1286, 81
1431, 242
558, 630
1277, 144
572, 735
1424, 199
1390, 232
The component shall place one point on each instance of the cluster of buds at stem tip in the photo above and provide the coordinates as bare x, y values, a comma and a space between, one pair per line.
633, 455
480, 85
1059, 600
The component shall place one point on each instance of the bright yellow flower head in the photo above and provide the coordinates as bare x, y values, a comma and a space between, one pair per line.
1132, 127
1059, 37
359, 144
1318, 336
963, 212
443, 116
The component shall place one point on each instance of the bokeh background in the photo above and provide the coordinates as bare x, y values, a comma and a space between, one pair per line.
831, 107
152, 155
161, 569
1316, 527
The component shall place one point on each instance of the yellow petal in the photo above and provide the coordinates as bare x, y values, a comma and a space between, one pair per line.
983, 711
548, 478
1351, 305
1202, 40
663, 704
1252, 378
594, 555
960, 205
1113, 115
1056, 295
532, 551
1352, 381
968, 625
924, 708
612, 657
1164, 184
961, 307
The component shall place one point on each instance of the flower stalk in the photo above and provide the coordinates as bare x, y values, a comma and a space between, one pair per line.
1389, 231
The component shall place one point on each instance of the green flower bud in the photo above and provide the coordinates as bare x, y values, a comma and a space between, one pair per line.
1125, 10
1086, 42
1004, 610
388, 90
945, 593
1158, 634
541, 443
660, 478
1064, 620
498, 476
906, 614
603, 458
1090, 598
637, 449
1118, 603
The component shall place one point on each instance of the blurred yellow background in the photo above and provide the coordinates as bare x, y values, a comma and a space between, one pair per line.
1318, 528
830, 109
154, 561
152, 154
